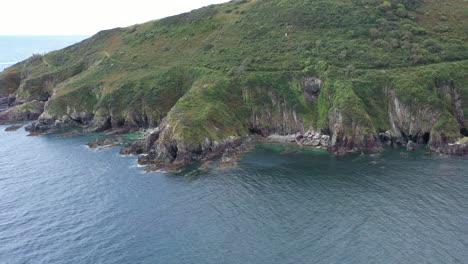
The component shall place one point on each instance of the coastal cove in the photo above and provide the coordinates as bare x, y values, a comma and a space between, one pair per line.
62, 200
251, 131
355, 76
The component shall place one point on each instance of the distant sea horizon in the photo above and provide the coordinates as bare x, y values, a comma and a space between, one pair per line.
14, 49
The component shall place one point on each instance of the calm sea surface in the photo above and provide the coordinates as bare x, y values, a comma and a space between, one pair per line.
63, 203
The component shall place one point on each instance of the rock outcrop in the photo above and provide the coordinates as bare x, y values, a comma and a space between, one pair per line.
13, 128
23, 112
105, 142
308, 139
135, 147
453, 149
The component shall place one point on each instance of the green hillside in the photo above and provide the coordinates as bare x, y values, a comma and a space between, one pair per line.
349, 68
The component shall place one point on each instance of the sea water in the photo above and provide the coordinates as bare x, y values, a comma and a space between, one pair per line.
61, 202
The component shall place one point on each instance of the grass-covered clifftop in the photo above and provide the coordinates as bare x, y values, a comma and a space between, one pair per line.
351, 68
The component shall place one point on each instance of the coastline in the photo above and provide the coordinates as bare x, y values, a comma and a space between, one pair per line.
135, 143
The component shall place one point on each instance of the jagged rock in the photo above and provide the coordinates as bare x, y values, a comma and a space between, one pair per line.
299, 137
217, 148
4, 100
135, 147
151, 136
410, 122
117, 122
346, 139
386, 138
48, 122
455, 149
100, 124
176, 153
282, 139
316, 142
389, 140
39, 128
325, 141
25, 112
135, 119
308, 139
11, 99
411, 146
105, 142
146, 159
311, 87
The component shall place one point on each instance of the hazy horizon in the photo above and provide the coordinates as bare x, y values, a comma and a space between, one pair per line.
56, 18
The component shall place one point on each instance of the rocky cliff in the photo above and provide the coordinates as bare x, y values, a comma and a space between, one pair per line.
343, 75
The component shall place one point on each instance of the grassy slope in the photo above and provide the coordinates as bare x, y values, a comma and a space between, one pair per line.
211, 68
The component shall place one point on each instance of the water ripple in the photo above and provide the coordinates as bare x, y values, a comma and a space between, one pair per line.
63, 203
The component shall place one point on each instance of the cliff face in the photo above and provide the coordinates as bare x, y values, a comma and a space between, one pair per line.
364, 74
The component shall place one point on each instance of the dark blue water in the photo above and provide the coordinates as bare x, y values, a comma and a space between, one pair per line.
63, 203
17, 48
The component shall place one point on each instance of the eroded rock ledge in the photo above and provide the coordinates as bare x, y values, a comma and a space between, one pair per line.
16, 111
308, 139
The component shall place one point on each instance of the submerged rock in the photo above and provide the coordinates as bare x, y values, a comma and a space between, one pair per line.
69, 134
105, 142
118, 131
13, 128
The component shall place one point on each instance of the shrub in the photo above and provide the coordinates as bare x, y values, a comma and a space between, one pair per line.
442, 28
432, 46
385, 6
374, 32
207, 47
401, 12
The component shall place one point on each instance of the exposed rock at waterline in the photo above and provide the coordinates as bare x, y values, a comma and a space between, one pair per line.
135, 147
24, 112
411, 146
105, 142
454, 149
13, 128
308, 139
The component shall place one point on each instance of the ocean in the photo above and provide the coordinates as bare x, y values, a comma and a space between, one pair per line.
61, 202
14, 49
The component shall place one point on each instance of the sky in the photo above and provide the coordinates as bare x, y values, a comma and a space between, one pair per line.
85, 17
